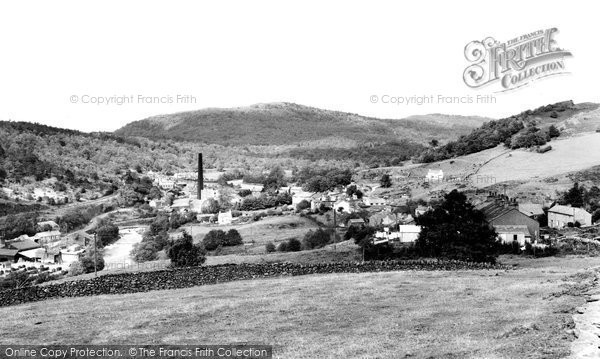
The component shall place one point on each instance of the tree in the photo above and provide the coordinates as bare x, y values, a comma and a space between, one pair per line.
316, 239
233, 238
107, 233
270, 247
213, 239
144, 251
456, 230
210, 206
353, 190
434, 143
385, 181
184, 253
574, 196
553, 132
294, 245
302, 205
87, 261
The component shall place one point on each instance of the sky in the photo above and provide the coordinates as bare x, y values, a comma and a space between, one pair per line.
142, 58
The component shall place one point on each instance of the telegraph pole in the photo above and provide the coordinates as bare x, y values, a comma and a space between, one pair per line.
95, 257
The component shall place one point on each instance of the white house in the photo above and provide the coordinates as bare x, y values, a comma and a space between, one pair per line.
510, 233
166, 184
225, 217
434, 175
235, 182
407, 233
560, 216
51, 224
374, 201
344, 206
46, 237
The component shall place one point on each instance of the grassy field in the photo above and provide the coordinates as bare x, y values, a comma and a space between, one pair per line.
256, 234
525, 313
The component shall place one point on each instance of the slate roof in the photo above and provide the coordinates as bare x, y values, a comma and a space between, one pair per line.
23, 245
531, 209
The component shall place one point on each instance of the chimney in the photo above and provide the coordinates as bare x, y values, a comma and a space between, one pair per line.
200, 176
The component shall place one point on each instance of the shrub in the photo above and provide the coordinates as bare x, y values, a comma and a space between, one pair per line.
184, 253
302, 205
233, 238
316, 239
270, 247
294, 245
282, 247
144, 251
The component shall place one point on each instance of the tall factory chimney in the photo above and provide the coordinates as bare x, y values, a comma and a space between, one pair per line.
200, 176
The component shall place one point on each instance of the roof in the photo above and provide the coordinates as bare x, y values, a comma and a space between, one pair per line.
24, 245
494, 210
5, 252
518, 228
567, 210
356, 220
49, 223
531, 209
34, 253
182, 202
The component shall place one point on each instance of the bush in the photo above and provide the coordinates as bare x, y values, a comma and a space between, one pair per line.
294, 245
184, 253
233, 238
217, 238
144, 251
302, 205
282, 247
316, 239
270, 247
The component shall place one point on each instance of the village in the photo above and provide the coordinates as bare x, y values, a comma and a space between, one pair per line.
391, 211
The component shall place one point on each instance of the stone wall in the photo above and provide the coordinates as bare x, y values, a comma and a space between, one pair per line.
194, 276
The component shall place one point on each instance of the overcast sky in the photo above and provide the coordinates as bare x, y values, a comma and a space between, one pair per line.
327, 54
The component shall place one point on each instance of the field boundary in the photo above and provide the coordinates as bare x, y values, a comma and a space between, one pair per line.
123, 283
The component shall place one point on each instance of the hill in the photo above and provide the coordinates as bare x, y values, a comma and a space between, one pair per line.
285, 123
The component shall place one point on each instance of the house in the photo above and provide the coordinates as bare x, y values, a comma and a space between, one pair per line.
343, 206
41, 255
405, 234
22, 245
497, 213
560, 216
8, 254
382, 218
46, 237
359, 222
225, 217
49, 225
255, 188
156, 203
532, 210
374, 201
235, 182
299, 196
510, 233
181, 205
72, 254
409, 232
166, 184
421, 210
434, 175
